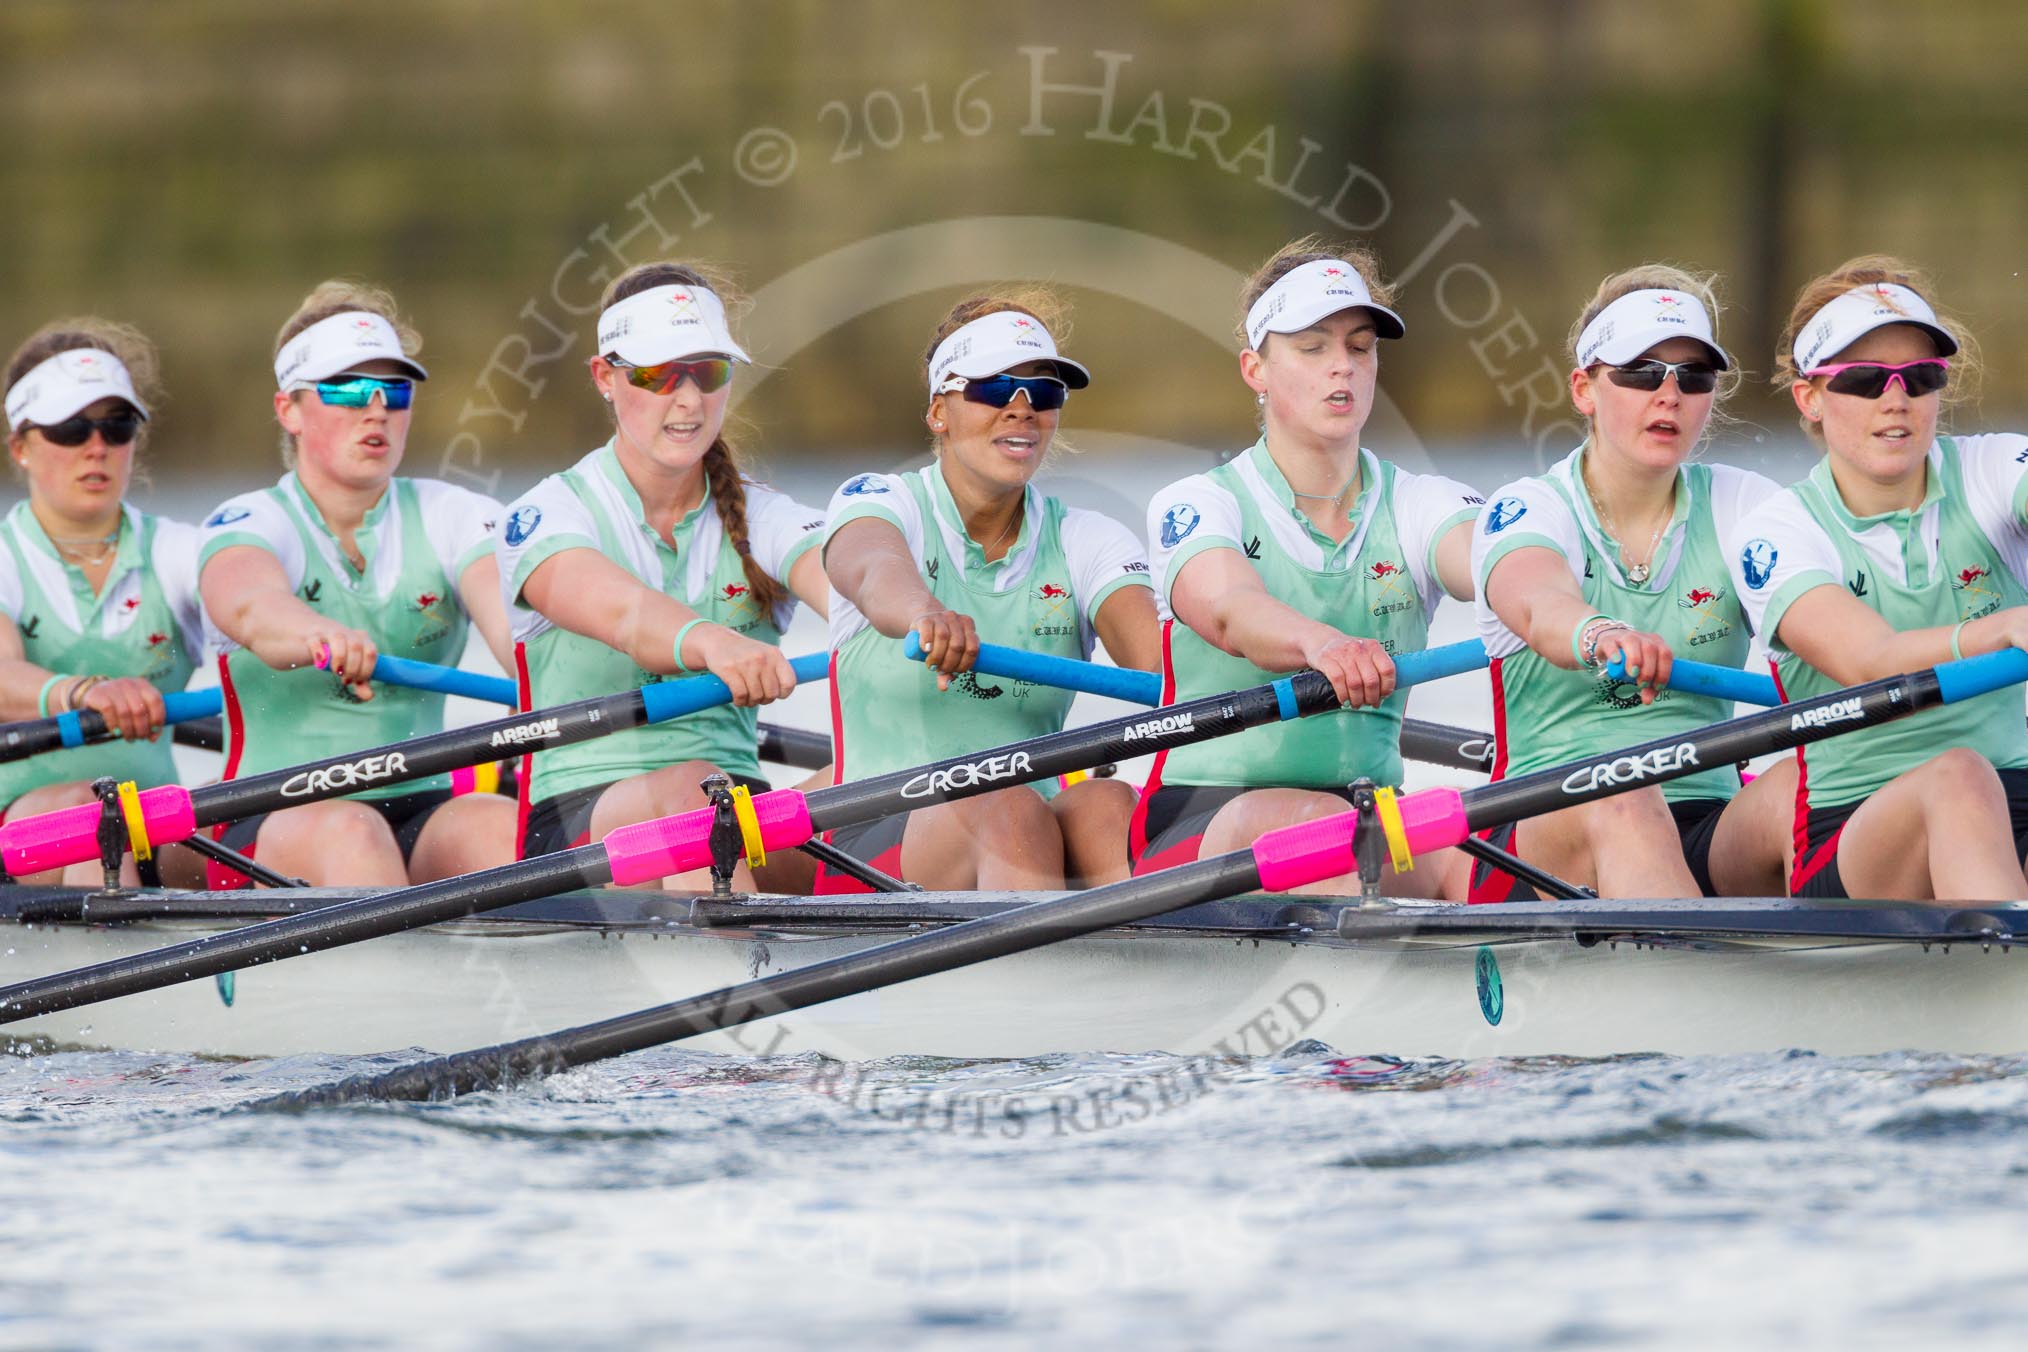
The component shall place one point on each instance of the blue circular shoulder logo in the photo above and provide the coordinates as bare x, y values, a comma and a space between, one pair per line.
865, 483
1177, 523
225, 516
1757, 562
522, 524
1503, 514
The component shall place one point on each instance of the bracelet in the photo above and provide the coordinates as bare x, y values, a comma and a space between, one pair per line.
1577, 637
1956, 630
42, 699
682, 670
1594, 635
77, 692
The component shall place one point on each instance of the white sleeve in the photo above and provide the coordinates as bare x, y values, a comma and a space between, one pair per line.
11, 591
255, 519
174, 563
1776, 553
1735, 494
1185, 519
1528, 513
779, 529
548, 519
1426, 506
459, 522
1996, 482
1103, 556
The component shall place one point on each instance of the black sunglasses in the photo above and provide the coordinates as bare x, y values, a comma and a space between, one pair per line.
1692, 377
117, 430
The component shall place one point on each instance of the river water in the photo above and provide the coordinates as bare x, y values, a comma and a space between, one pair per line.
1317, 1196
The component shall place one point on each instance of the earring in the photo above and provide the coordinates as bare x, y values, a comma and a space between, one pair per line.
607, 397
936, 427
1261, 399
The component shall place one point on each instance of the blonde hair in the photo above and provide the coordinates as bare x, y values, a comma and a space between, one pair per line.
1311, 249
1701, 286
1865, 270
722, 473
338, 296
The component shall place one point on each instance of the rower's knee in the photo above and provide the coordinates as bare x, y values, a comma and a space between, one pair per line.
1958, 779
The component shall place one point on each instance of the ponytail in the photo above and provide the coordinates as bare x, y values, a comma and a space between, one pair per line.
728, 496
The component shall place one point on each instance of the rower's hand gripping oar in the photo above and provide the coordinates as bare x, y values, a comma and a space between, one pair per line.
645, 851
172, 813
82, 727
1288, 857
1708, 678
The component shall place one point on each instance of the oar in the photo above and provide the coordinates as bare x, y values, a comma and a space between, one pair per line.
172, 813
655, 849
1435, 743
797, 748
1708, 678
81, 727
1288, 857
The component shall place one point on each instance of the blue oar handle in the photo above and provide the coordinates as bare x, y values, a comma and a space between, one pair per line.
672, 699
1063, 673
1705, 678
1145, 687
180, 705
445, 680
1971, 677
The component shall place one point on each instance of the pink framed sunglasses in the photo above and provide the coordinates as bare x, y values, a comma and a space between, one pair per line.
1870, 379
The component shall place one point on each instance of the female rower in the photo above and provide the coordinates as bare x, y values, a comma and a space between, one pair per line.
336, 564
98, 600
1305, 550
964, 550
1900, 550
1617, 552
651, 559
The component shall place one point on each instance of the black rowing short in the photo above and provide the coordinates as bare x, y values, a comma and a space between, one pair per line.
406, 815
1168, 825
1815, 872
564, 822
1696, 826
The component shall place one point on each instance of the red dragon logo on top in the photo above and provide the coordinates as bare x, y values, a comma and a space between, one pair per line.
426, 600
1049, 591
1702, 596
1386, 568
132, 603
1968, 576
734, 590
157, 639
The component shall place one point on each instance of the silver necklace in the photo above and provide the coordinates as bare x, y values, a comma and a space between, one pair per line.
68, 548
1637, 573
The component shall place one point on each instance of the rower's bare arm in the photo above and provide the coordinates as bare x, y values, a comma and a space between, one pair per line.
1127, 625
587, 593
20, 679
1850, 642
807, 580
248, 597
870, 566
1532, 591
1454, 561
1223, 600
479, 592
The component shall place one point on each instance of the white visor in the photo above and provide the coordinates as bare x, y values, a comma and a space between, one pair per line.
1000, 342
1315, 291
343, 342
1640, 320
665, 323
66, 385
1857, 313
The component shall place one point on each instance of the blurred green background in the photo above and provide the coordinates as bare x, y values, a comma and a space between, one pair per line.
194, 168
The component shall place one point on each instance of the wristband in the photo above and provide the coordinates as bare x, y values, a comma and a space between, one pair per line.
1595, 633
42, 700
1577, 638
1956, 630
682, 670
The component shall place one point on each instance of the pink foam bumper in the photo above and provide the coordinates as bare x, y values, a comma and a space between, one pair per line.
655, 849
70, 835
1310, 852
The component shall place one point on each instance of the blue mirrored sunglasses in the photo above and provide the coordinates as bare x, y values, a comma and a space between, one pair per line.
1044, 392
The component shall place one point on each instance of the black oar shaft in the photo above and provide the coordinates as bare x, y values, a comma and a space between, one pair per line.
961, 945
1442, 744
795, 747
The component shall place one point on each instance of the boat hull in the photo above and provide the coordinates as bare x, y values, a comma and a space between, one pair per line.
1240, 978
